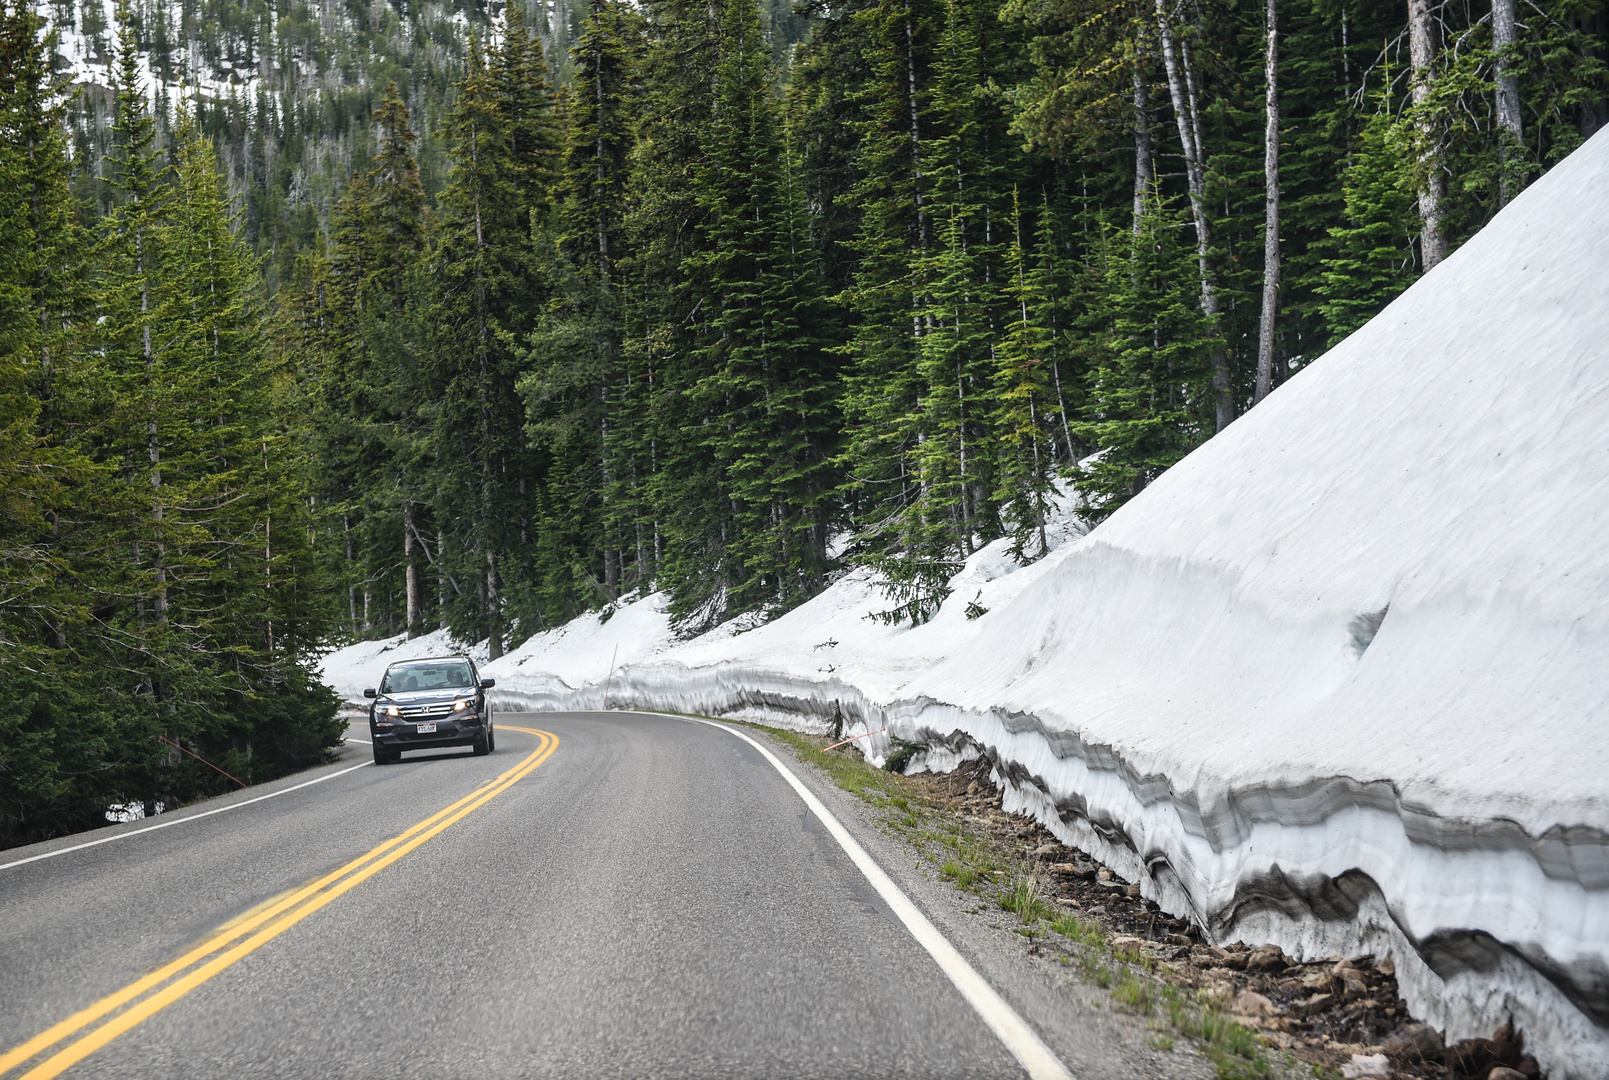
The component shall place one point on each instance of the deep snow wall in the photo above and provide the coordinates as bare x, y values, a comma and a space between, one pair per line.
1339, 680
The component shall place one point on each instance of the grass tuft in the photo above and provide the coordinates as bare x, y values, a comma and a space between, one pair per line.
1134, 994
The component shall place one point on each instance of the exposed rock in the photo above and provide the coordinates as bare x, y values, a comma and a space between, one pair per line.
1503, 1072
1251, 1003
1181, 940
1221, 993
1266, 958
1386, 967
1316, 1003
1127, 943
1046, 849
1320, 981
1371, 1066
1353, 983
1416, 1042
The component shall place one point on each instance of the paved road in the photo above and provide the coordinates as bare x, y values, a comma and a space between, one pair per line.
624, 896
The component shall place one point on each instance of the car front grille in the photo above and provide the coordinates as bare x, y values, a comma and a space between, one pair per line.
444, 708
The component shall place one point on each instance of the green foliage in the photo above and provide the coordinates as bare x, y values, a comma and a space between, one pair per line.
158, 582
1148, 384
1371, 257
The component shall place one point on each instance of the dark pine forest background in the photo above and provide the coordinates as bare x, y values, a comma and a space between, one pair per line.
331, 320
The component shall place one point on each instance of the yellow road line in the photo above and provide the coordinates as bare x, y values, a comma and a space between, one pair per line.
278, 916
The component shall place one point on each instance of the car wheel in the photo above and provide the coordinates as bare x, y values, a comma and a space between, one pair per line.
482, 745
491, 740
381, 757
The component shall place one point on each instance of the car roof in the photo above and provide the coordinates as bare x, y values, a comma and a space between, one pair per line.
427, 660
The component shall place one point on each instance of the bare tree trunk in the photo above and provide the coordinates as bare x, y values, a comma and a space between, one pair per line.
1510, 133
411, 570
441, 581
1265, 333
494, 610
916, 131
1196, 180
351, 589
1142, 144
1422, 54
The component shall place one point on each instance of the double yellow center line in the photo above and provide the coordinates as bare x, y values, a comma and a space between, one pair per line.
237, 940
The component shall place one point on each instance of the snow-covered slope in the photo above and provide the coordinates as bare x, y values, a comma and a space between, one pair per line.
1339, 680
348, 671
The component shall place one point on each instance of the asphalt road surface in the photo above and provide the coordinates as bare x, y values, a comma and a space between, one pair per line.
607, 895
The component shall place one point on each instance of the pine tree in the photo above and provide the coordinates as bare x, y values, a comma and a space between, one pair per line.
1371, 258
1150, 395
584, 408
54, 734
767, 381
482, 269
1026, 406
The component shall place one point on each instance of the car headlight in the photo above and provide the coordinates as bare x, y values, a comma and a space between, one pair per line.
463, 703
392, 710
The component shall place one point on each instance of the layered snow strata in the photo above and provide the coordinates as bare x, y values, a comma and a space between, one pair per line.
1339, 680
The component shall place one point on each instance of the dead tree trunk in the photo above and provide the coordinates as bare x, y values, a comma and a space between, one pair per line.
1510, 132
1195, 170
1142, 145
411, 571
1265, 332
1422, 55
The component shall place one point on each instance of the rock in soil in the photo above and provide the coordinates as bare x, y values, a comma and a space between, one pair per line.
1416, 1042
1266, 958
1251, 1003
1370, 1066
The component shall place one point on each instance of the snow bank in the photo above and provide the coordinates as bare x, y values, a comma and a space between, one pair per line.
349, 670
1339, 680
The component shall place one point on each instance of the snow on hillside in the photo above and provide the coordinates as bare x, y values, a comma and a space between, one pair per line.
350, 670
1339, 680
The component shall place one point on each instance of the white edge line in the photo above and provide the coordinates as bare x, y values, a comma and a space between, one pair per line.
1037, 1059
180, 821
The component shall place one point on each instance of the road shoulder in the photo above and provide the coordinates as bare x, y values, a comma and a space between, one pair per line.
1094, 1039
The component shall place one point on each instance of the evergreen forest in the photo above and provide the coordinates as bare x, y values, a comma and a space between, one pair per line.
322, 321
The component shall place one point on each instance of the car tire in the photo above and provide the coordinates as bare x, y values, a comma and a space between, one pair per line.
482, 745
491, 739
381, 757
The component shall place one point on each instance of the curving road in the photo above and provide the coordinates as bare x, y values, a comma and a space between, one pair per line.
607, 895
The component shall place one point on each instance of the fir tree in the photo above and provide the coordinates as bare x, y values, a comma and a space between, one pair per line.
1150, 398
1026, 407
1370, 258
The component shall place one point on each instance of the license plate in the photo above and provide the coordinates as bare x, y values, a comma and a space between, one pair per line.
424, 729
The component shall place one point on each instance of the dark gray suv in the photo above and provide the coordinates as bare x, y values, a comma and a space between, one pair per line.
422, 704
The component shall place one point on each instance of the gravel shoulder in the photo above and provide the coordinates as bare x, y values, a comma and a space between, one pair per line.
1115, 984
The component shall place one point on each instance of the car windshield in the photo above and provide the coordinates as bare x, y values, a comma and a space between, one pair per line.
446, 675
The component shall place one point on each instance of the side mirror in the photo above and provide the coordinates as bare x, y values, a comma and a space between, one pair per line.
487, 684
370, 693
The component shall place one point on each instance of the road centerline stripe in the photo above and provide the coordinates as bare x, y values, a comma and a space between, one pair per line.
1037, 1059
267, 923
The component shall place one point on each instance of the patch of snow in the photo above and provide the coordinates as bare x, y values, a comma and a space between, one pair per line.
351, 669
